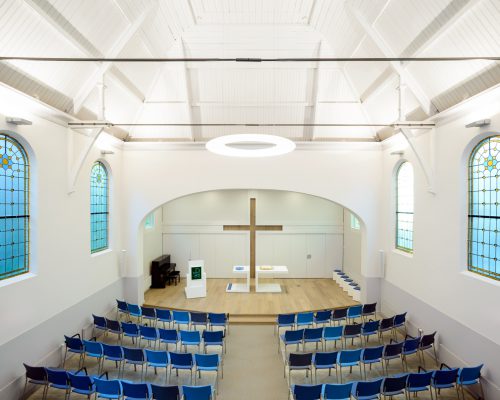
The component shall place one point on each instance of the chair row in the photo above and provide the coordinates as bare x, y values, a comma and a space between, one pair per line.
348, 284
403, 384
79, 382
357, 358
323, 335
335, 316
159, 315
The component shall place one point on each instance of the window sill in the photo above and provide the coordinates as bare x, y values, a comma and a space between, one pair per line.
402, 253
100, 253
481, 278
17, 279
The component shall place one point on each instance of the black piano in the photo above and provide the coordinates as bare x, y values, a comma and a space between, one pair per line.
163, 272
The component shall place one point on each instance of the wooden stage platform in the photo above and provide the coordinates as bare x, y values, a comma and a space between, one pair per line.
297, 295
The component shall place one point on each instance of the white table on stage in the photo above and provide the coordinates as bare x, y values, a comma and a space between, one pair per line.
269, 287
240, 287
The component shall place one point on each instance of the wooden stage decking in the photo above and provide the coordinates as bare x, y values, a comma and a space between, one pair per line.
297, 295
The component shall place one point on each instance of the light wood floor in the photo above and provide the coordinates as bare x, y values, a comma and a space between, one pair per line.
297, 295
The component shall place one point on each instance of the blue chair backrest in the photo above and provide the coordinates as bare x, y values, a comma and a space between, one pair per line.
329, 358
92, 347
190, 336
332, 391
197, 392
324, 315
300, 359
292, 336
181, 316
372, 353
411, 345
200, 318
136, 390
394, 383
369, 308
304, 318
109, 387
130, 328
333, 331
307, 392
148, 312
354, 311
113, 325
445, 376
419, 380
286, 319
157, 357
35, 373
112, 350
57, 376
81, 382
133, 354
134, 309
163, 315
350, 330
165, 392
339, 313
99, 321
399, 319
217, 318
427, 340
213, 336
368, 388
387, 323
470, 373
348, 356
168, 334
313, 333
370, 326
393, 349
185, 359
73, 343
207, 360
148, 331
122, 305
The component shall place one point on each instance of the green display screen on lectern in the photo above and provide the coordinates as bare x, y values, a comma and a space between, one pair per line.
195, 273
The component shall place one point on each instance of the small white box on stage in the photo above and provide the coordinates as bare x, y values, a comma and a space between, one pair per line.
196, 280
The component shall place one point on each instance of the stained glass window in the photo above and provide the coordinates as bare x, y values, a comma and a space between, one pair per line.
149, 222
404, 207
354, 222
484, 210
99, 211
14, 208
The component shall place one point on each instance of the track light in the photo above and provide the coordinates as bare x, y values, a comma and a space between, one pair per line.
479, 123
17, 121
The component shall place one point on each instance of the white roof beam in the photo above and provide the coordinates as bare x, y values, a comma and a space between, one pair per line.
378, 85
310, 115
195, 131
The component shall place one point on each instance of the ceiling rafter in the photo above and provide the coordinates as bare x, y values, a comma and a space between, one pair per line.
310, 115
195, 131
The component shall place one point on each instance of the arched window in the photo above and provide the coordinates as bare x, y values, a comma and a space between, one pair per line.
404, 207
484, 210
14, 208
99, 212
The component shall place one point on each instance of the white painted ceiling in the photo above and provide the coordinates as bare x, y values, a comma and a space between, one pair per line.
251, 93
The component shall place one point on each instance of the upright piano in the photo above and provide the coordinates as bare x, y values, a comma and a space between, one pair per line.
162, 270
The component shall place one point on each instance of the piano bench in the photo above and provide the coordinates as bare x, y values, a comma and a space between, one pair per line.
174, 276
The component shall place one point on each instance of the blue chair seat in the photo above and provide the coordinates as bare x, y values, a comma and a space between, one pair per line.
357, 288
201, 368
469, 382
443, 385
348, 279
417, 389
182, 366
350, 364
353, 284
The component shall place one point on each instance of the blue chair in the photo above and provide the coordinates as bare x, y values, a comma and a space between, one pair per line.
165, 392
213, 338
35, 376
394, 385
190, 338
121, 308
339, 315
332, 333
333, 391
131, 330
197, 392
113, 353
219, 319
351, 332
134, 310
74, 345
444, 379
94, 350
298, 362
354, 312
312, 335
399, 321
325, 361
418, 382
99, 324
369, 309
134, 357
157, 359
367, 390
81, 384
57, 379
180, 318
304, 319
135, 391
323, 317
168, 336
113, 326
386, 325
410, 346
306, 392
182, 361
284, 321
371, 355
149, 313
428, 342
292, 337
368, 329
349, 358
164, 316
148, 333
108, 389
391, 352
209, 363
469, 376
199, 319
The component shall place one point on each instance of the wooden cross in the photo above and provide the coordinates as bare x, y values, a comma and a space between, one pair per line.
253, 228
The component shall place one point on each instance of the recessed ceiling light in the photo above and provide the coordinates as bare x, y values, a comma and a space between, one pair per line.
250, 145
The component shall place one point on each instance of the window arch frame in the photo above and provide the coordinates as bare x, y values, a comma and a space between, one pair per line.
102, 242
397, 212
23, 208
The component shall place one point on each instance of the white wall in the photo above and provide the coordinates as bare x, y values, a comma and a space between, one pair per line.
152, 244
352, 249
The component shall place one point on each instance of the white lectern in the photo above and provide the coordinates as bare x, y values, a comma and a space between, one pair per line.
196, 280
